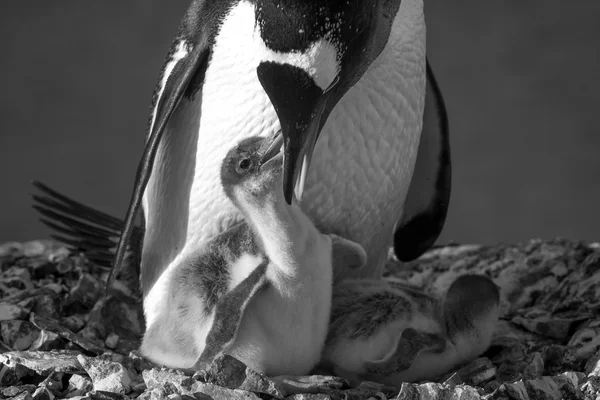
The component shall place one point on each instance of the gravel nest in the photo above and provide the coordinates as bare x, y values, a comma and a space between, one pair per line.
59, 338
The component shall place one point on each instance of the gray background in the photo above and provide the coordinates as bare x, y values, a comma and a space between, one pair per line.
521, 82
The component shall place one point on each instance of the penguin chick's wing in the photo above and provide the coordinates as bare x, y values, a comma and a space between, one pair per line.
182, 76
84, 228
408, 347
229, 311
428, 196
471, 310
345, 255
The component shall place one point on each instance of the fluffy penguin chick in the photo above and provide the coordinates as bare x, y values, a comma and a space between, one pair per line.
383, 331
262, 290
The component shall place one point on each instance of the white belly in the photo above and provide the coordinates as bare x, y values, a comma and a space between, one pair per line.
360, 172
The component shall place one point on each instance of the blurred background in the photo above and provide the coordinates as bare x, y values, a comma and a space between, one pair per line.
521, 82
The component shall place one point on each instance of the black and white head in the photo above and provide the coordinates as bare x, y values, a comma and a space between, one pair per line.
253, 169
314, 51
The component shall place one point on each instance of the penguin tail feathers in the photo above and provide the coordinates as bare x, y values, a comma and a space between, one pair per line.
471, 310
84, 228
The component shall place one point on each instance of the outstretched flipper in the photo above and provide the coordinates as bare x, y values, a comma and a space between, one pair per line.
229, 311
86, 229
410, 344
428, 196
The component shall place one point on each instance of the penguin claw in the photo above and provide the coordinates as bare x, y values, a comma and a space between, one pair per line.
310, 384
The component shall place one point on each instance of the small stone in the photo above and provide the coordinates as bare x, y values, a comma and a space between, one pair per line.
13, 391
48, 341
52, 326
591, 388
358, 393
47, 305
4, 348
84, 294
105, 395
19, 335
73, 323
213, 392
453, 380
23, 396
587, 339
55, 287
592, 366
14, 284
59, 255
33, 248
229, 372
553, 327
112, 340
43, 393
9, 312
534, 366
79, 385
18, 278
116, 313
11, 250
54, 383
159, 380
140, 363
42, 362
308, 396
8, 373
435, 391
478, 371
107, 375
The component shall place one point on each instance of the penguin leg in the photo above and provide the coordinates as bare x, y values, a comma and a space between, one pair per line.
408, 347
228, 316
309, 384
426, 204
346, 255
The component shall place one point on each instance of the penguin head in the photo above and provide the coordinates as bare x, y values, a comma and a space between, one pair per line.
252, 168
315, 51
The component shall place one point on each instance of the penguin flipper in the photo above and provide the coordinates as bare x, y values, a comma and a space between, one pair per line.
84, 228
229, 311
426, 204
182, 76
408, 347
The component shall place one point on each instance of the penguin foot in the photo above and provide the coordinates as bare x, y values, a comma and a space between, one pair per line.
410, 344
309, 384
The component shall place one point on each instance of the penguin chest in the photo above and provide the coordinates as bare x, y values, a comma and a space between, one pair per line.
365, 156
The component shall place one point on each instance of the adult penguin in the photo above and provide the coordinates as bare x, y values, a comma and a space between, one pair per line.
348, 84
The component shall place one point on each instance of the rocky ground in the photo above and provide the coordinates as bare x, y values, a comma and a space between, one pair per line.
60, 340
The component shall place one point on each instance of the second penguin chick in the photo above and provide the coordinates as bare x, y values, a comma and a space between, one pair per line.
383, 331
262, 291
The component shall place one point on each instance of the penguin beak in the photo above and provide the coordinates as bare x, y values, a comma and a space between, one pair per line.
299, 104
273, 150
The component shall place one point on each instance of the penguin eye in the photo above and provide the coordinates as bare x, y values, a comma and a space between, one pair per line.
244, 164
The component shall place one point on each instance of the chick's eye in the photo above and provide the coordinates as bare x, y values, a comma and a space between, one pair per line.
244, 164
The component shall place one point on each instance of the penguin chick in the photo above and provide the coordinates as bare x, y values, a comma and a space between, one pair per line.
385, 332
261, 292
